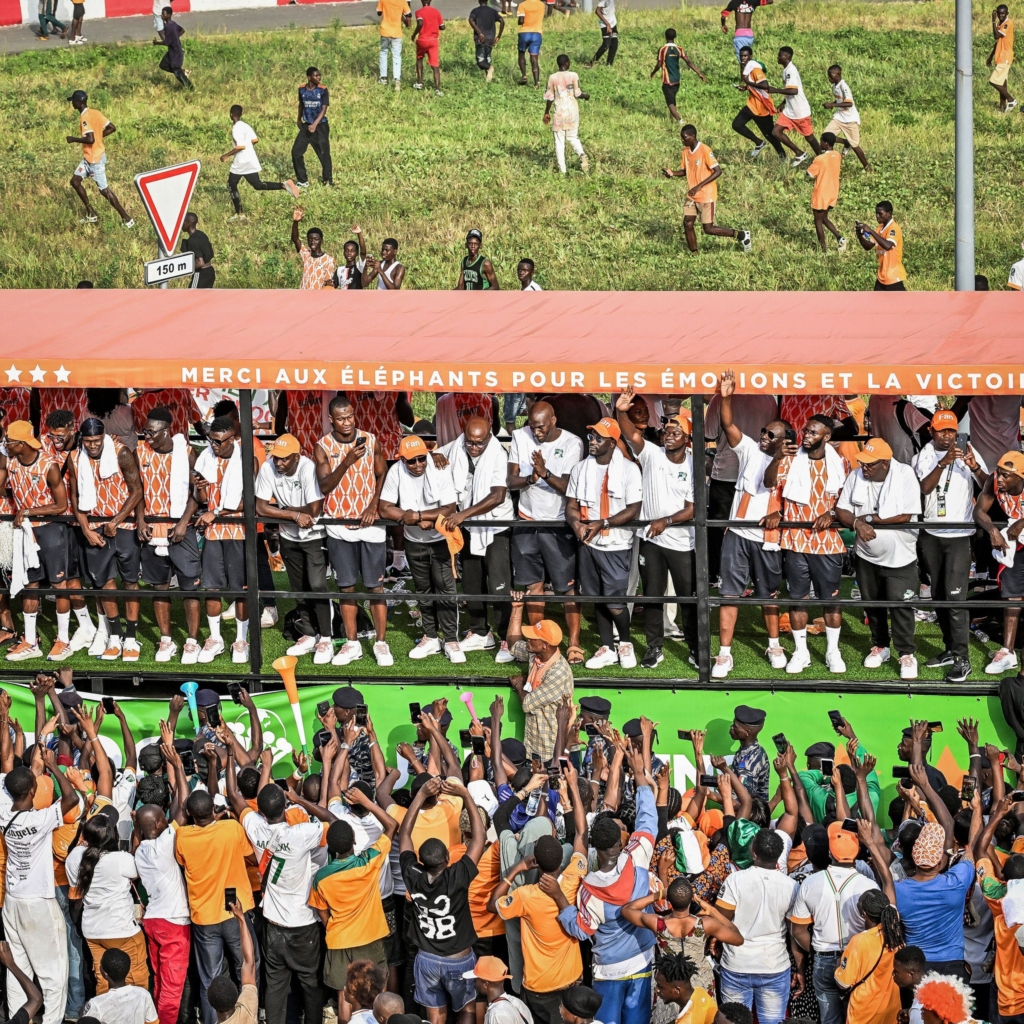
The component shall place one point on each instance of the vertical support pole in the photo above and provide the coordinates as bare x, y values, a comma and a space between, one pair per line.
700, 521
964, 204
160, 254
251, 537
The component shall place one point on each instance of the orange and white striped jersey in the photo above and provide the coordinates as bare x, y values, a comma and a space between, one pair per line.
798, 409
354, 493
1011, 504
74, 400
15, 403
307, 417
377, 413
28, 483
179, 403
221, 530
155, 469
455, 409
810, 542
111, 491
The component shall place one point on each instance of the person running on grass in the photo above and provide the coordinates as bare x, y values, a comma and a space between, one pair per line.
562, 92
48, 16
426, 36
845, 119
174, 58
476, 272
824, 172
796, 113
484, 19
702, 171
314, 101
394, 15
669, 57
77, 17
1002, 55
530, 15
760, 109
887, 241
94, 127
605, 11
246, 164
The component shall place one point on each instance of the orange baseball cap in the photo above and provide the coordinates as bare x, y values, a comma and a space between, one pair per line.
945, 419
876, 450
21, 430
412, 446
1012, 461
285, 445
683, 422
546, 630
488, 968
843, 845
606, 427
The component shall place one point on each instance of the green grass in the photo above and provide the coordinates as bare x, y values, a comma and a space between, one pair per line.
425, 169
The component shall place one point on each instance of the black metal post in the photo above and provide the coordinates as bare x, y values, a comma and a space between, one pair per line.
700, 550
252, 538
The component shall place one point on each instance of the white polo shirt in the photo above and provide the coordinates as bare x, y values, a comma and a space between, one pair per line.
890, 548
301, 488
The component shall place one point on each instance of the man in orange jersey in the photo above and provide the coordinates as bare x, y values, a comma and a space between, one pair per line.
350, 467
702, 171
94, 127
760, 109
1001, 56
887, 241
103, 479
824, 172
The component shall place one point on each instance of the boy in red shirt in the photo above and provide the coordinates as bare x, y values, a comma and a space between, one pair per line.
429, 25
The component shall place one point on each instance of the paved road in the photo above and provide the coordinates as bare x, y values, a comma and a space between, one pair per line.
18, 38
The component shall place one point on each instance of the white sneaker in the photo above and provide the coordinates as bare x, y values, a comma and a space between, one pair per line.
504, 655
167, 650
478, 642
876, 657
602, 658
228, 614
842, 244
427, 645
776, 657
190, 652
324, 651
627, 658
240, 652
132, 650
797, 161
83, 637
744, 240
351, 650
722, 667
304, 645
383, 654
23, 651
756, 151
908, 666
417, 85
269, 617
798, 661
834, 661
453, 652
99, 641
1002, 661
211, 649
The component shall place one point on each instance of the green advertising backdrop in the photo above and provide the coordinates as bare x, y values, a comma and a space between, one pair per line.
803, 717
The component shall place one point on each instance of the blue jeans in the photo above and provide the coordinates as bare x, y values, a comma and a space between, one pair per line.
395, 46
213, 945
831, 999
76, 970
738, 42
625, 1002
767, 993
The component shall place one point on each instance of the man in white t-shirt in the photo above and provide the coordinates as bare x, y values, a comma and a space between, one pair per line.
883, 491
948, 476
828, 901
539, 460
758, 900
796, 113
1015, 282
33, 921
246, 164
121, 1003
605, 492
415, 493
287, 490
748, 553
666, 549
845, 116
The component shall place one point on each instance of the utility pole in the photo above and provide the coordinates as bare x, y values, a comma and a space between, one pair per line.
964, 200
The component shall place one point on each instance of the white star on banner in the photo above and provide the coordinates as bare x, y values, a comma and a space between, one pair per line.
62, 374
13, 374
38, 374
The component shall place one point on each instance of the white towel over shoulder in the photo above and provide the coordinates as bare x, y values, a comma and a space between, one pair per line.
86, 475
798, 480
231, 485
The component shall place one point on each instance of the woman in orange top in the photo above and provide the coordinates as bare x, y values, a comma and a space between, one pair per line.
865, 970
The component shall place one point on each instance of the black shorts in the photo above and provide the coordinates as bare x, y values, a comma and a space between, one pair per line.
1011, 578
393, 942
224, 565
744, 560
77, 11
53, 540
118, 557
76, 560
670, 91
824, 571
896, 286
182, 560
351, 559
539, 554
604, 573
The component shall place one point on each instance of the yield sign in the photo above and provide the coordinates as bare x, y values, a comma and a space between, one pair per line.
166, 194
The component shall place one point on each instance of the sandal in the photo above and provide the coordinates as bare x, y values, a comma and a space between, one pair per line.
576, 655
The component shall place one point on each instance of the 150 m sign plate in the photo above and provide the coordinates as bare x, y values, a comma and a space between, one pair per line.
170, 267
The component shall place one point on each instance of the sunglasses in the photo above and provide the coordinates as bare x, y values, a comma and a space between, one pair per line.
417, 460
765, 432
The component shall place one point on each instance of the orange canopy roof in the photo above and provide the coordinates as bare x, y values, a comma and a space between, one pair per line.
777, 342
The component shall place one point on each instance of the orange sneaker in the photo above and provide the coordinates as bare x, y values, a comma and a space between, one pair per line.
113, 651
24, 651
784, 626
60, 651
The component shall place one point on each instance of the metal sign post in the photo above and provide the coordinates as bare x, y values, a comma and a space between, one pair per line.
964, 203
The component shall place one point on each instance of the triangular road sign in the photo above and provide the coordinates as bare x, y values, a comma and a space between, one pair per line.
166, 193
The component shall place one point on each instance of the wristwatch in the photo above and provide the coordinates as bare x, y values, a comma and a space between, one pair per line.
869, 518
604, 524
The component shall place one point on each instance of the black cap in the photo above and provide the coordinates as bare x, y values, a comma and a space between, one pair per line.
347, 697
514, 750
182, 745
474, 233
596, 706
207, 698
69, 697
822, 749
581, 1001
445, 720
746, 715
78, 94
632, 728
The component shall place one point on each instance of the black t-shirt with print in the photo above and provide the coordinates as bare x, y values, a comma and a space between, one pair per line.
442, 923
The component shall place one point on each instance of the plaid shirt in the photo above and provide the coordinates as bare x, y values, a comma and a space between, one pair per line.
550, 681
